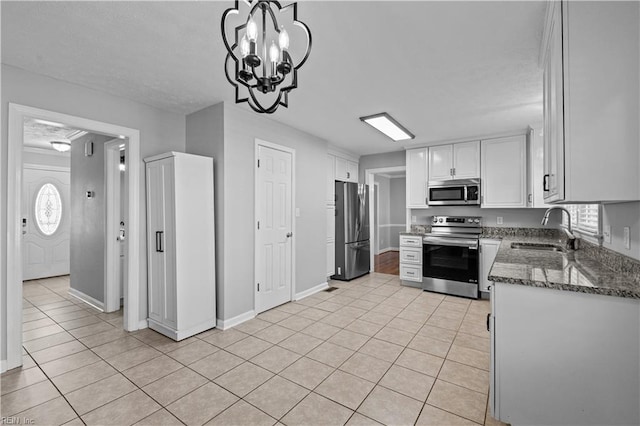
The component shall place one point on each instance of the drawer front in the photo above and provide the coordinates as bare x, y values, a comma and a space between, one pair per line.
411, 273
410, 241
411, 255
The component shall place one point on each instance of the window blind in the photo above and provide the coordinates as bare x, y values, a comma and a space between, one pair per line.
584, 218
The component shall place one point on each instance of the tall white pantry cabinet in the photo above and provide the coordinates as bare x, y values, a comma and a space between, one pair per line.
180, 244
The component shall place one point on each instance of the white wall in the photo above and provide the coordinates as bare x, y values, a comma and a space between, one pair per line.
160, 131
398, 210
618, 216
53, 158
384, 213
205, 136
378, 161
88, 217
235, 187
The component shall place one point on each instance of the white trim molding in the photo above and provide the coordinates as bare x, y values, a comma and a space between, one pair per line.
313, 290
13, 302
369, 179
237, 320
94, 303
387, 249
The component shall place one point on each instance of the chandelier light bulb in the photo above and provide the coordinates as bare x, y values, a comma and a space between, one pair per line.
252, 29
274, 52
283, 39
244, 46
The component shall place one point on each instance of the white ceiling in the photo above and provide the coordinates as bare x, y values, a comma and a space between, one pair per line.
445, 70
39, 135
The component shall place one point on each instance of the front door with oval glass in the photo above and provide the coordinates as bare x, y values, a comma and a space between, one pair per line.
45, 223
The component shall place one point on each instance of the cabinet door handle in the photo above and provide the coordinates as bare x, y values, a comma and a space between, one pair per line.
451, 172
348, 175
488, 322
545, 183
159, 241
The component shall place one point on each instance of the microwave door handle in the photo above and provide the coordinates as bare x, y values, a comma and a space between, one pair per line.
465, 193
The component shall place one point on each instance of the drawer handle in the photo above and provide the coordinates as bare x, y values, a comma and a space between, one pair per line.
410, 273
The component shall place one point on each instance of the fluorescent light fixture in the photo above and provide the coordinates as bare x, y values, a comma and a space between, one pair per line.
384, 123
61, 146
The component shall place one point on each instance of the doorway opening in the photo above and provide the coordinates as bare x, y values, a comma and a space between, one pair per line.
387, 192
47, 214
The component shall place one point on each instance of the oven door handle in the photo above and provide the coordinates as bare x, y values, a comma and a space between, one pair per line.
437, 241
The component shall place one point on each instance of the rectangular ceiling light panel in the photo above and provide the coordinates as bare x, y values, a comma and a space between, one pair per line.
384, 123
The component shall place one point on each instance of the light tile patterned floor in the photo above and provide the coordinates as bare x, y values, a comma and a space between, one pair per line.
369, 352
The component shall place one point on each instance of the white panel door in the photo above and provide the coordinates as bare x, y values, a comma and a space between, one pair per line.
440, 162
46, 210
466, 160
273, 238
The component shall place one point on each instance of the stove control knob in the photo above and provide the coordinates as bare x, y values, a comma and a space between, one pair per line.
435, 219
440, 220
476, 220
470, 220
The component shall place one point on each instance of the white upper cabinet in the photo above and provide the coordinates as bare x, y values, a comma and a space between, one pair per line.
504, 172
454, 161
416, 178
466, 160
345, 170
590, 57
352, 171
441, 162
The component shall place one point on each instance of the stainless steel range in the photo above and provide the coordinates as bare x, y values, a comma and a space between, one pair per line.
450, 259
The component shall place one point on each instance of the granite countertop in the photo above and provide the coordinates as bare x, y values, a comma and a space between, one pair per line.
568, 270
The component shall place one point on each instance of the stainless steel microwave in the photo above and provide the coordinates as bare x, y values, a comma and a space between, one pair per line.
459, 192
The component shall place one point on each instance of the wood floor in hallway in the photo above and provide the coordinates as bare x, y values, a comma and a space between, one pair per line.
388, 263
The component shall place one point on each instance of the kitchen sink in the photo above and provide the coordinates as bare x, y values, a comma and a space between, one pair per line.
540, 247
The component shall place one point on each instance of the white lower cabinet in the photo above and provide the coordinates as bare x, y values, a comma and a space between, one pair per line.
411, 259
180, 244
563, 357
488, 251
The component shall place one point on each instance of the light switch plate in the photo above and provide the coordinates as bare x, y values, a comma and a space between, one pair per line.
413, 219
297, 211
499, 220
607, 234
627, 238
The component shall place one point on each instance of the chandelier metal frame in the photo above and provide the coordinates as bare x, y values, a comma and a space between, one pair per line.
247, 67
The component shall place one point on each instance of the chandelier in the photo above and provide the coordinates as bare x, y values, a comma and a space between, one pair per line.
261, 69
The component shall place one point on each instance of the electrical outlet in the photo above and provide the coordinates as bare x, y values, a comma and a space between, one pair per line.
413, 219
607, 234
499, 220
627, 238
297, 211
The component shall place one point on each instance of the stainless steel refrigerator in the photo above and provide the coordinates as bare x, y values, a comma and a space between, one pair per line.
352, 231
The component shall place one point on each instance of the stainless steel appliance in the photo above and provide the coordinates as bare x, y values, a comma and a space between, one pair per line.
352, 230
459, 192
450, 259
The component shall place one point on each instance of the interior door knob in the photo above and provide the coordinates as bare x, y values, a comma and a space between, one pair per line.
289, 234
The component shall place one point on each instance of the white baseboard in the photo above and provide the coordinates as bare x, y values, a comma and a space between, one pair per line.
232, 322
3, 365
87, 299
143, 324
389, 249
312, 290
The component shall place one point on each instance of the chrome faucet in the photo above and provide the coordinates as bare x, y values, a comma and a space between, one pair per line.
572, 242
